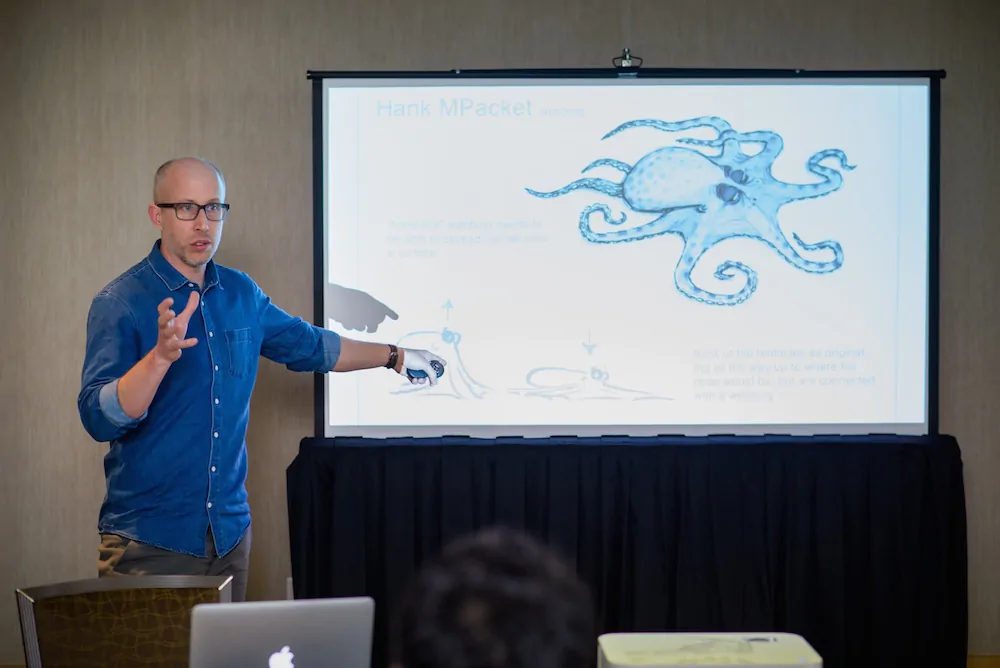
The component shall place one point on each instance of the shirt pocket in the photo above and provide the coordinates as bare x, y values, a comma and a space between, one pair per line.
240, 351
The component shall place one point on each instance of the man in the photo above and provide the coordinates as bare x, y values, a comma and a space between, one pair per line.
172, 351
495, 599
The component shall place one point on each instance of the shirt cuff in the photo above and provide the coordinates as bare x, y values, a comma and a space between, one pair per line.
112, 408
331, 349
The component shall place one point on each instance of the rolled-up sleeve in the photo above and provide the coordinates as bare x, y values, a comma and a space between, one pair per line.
290, 340
111, 350
331, 349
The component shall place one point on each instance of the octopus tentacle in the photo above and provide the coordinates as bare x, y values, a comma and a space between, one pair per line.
608, 162
600, 185
667, 223
730, 154
814, 267
832, 179
773, 146
599, 237
792, 256
837, 153
719, 124
693, 250
732, 151
763, 227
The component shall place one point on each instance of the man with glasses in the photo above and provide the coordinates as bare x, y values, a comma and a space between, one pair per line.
171, 360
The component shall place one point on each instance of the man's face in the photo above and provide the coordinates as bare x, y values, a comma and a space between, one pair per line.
192, 242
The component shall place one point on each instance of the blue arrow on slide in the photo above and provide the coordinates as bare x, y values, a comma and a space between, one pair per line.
589, 346
447, 306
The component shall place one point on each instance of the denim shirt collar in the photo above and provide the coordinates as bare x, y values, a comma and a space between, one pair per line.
175, 280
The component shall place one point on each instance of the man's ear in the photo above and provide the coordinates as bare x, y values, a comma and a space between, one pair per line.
154, 215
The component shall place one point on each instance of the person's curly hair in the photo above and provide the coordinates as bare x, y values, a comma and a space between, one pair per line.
495, 599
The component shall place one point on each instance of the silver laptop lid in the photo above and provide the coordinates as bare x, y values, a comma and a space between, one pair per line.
283, 634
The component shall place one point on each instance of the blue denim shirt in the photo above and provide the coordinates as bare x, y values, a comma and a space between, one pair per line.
181, 468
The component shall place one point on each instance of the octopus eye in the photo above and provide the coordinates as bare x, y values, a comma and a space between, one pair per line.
728, 194
739, 176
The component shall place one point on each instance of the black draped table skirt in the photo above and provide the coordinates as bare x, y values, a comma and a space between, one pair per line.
856, 543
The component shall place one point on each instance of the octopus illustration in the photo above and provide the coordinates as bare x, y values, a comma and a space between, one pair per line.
458, 383
563, 383
707, 197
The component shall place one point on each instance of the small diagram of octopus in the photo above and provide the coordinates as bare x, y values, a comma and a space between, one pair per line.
705, 198
578, 384
458, 382
581, 383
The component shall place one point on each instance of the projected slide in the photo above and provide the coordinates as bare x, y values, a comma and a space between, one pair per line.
630, 257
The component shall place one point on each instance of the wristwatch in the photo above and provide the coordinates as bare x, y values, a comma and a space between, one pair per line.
393, 357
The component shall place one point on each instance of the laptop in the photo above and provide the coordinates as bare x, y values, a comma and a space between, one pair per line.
303, 633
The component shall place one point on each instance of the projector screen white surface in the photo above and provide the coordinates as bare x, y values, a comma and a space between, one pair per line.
631, 256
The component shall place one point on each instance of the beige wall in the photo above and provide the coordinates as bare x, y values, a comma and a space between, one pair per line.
93, 95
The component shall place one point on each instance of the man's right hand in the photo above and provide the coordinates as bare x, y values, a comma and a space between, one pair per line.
173, 329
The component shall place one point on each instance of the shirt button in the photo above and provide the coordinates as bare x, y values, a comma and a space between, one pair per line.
211, 333
213, 469
209, 504
216, 367
216, 434
190, 285
216, 401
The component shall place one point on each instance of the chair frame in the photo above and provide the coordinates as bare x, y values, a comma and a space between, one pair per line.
27, 597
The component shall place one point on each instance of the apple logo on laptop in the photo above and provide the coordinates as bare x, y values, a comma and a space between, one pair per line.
282, 659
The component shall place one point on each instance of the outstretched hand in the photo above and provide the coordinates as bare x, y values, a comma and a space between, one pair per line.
173, 328
419, 360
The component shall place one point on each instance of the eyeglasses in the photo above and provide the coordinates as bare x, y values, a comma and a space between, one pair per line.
215, 211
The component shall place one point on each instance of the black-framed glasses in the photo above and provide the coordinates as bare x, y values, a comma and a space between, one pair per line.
214, 211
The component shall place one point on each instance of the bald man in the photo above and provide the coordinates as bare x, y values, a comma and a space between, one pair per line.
171, 360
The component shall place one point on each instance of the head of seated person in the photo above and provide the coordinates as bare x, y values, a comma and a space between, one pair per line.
495, 599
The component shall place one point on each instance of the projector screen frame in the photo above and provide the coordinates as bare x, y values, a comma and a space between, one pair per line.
934, 77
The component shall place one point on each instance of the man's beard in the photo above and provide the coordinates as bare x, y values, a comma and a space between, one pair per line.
194, 264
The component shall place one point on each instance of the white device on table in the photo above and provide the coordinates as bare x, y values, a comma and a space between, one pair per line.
300, 633
718, 650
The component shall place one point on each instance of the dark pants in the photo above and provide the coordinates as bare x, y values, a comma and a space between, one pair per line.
122, 556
